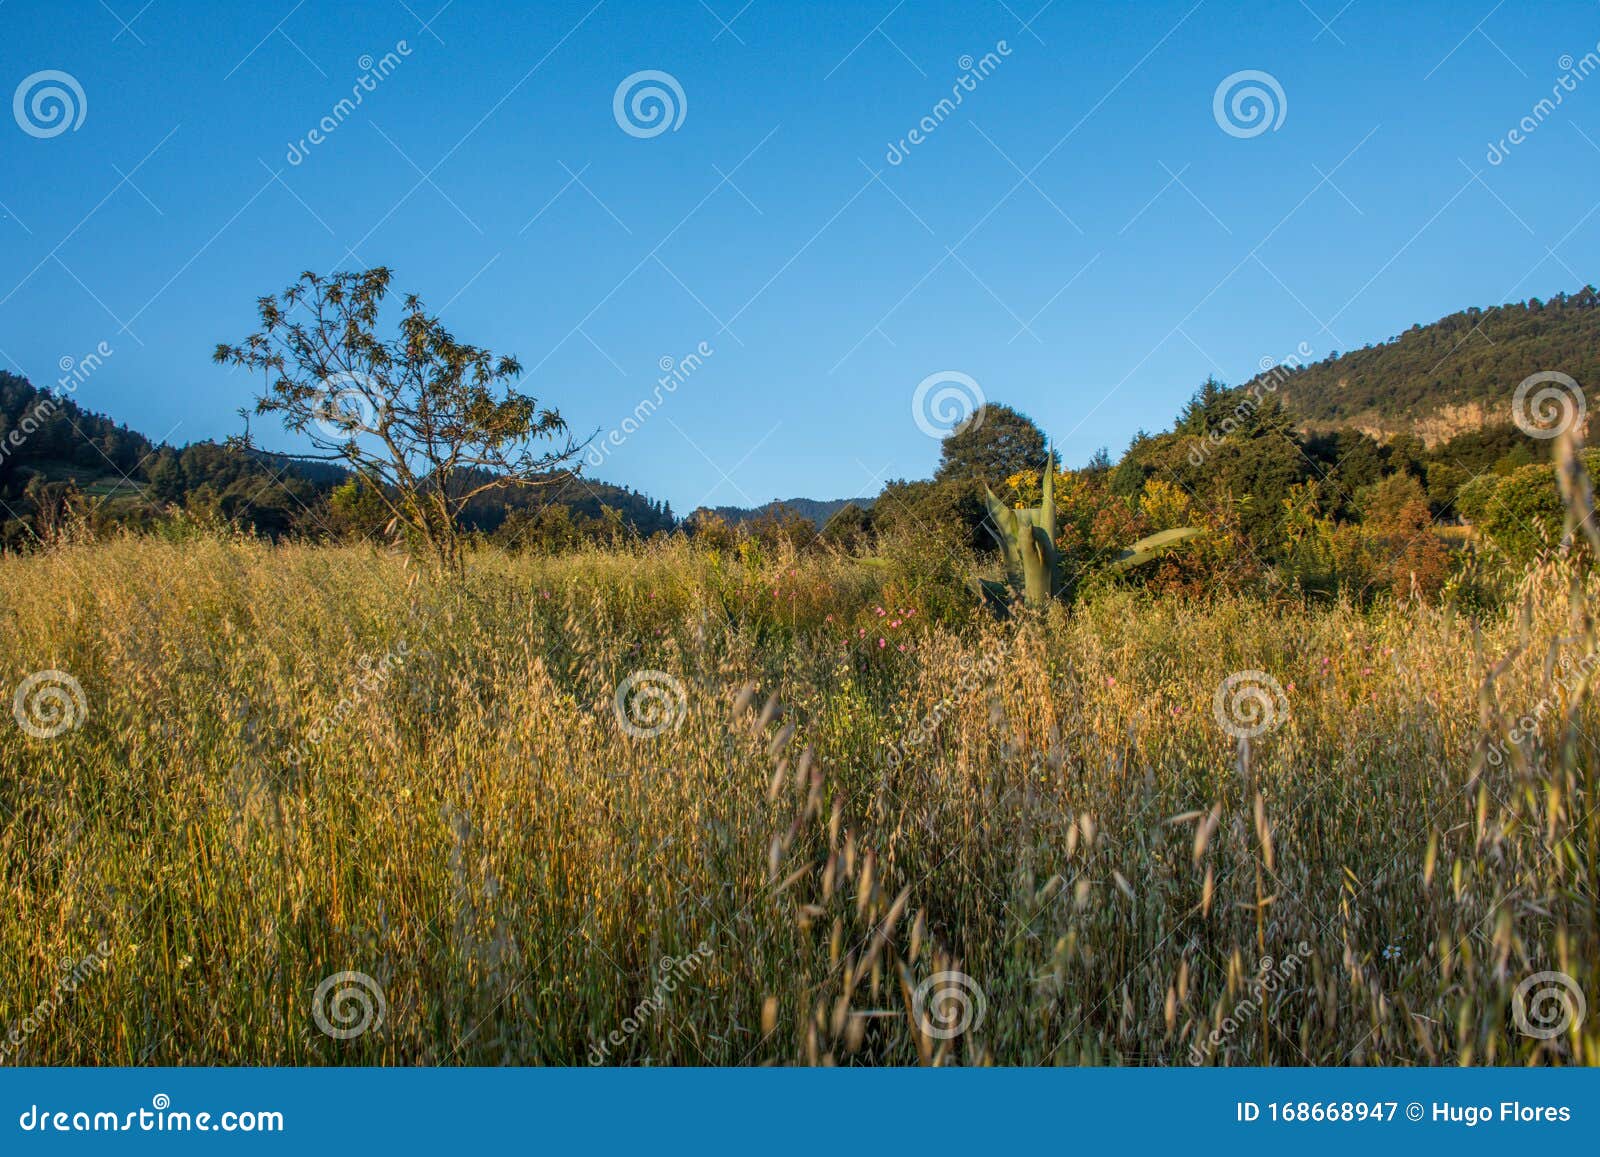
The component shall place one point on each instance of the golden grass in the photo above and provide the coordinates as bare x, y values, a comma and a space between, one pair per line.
471, 827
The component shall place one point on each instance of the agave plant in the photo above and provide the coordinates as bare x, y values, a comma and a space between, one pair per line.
1027, 538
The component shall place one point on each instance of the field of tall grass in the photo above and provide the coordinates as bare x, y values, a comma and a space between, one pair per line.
314, 806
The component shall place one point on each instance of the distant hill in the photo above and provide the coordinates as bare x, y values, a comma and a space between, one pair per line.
54, 452
818, 510
1454, 375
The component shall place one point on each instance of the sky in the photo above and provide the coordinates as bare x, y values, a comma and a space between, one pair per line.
1091, 231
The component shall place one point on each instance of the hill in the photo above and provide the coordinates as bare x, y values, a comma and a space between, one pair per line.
818, 510
59, 460
1454, 375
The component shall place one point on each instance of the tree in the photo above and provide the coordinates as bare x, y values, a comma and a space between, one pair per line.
427, 422
993, 445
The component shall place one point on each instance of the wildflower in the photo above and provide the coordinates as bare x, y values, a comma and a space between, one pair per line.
882, 643
1392, 952
894, 623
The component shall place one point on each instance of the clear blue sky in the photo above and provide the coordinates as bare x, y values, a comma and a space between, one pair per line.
1146, 249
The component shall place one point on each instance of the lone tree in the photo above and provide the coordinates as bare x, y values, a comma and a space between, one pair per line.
428, 422
992, 445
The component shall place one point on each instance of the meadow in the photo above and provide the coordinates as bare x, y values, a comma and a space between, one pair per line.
319, 806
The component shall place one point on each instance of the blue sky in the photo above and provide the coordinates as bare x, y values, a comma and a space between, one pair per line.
1080, 237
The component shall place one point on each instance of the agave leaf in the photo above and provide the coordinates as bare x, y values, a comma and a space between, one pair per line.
1148, 549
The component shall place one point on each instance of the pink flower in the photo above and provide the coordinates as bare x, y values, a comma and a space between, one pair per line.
894, 622
902, 646
1110, 682
882, 643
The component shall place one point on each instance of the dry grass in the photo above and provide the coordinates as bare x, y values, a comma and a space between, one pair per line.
473, 829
